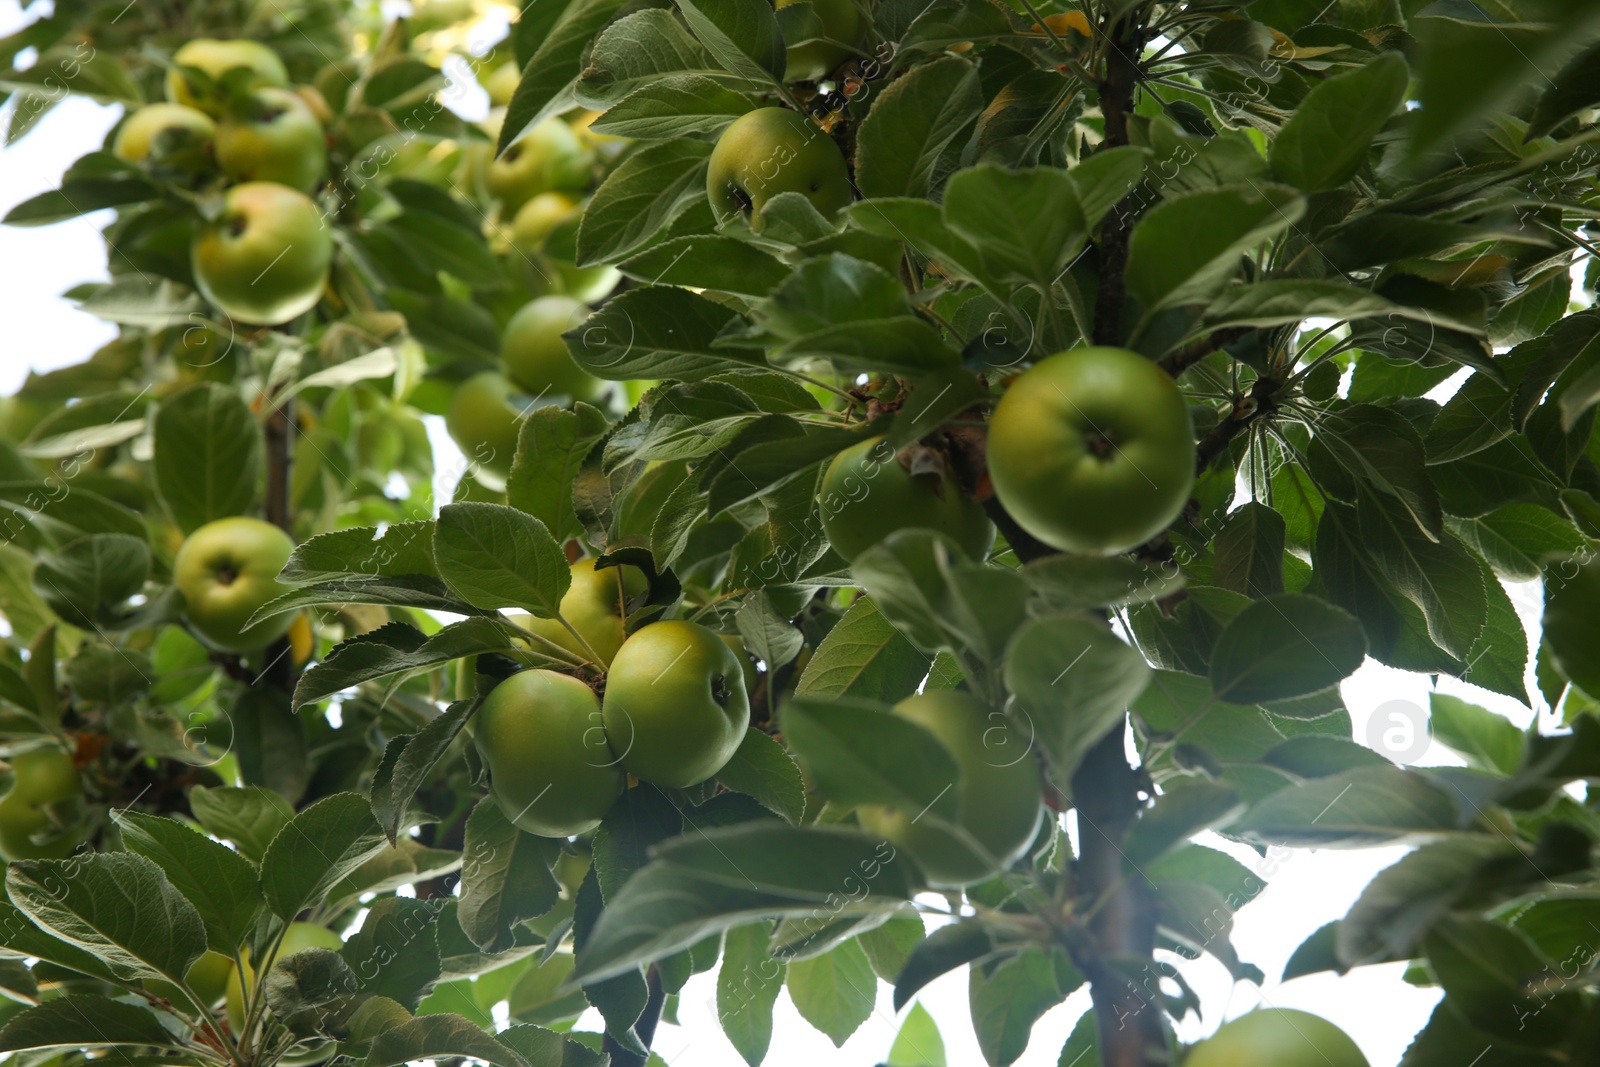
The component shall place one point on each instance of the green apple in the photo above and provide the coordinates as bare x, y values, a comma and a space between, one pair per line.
1277, 1037
593, 604
207, 977
769, 151
272, 136
550, 771
39, 816
226, 570
297, 938
166, 133
265, 258
675, 704
501, 83
548, 158
536, 357
215, 59
484, 420
999, 795
842, 22
867, 494
1092, 450
537, 218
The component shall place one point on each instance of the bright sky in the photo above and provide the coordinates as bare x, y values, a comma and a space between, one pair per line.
1305, 890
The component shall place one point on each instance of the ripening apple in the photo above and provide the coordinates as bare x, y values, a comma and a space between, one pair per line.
265, 258
593, 604
675, 704
1092, 450
272, 136
227, 570
867, 494
484, 421
166, 133
999, 794
215, 59
550, 770
535, 355
548, 158
842, 22
1277, 1037
530, 231
769, 151
44, 795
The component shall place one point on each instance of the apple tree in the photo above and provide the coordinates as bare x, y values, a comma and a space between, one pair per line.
923, 463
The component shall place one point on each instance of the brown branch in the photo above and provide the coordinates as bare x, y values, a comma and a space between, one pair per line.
1184, 358
1258, 404
1116, 93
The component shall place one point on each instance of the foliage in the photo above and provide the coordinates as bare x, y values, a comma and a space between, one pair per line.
1310, 215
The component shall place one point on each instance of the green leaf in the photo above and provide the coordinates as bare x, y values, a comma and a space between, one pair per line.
249, 816
1103, 179
1067, 583
505, 877
547, 77
955, 945
722, 878
430, 1037
677, 105
413, 765
1487, 741
748, 985
708, 261
1185, 249
1198, 919
400, 649
1007, 1001
552, 444
1249, 551
403, 591
86, 580
1183, 810
1357, 809
116, 905
855, 753
1571, 622
1286, 301
638, 51
494, 556
316, 850
85, 1021
207, 460
79, 197
1325, 142
656, 331
1285, 646
394, 954
646, 192
889, 945
835, 991
833, 290
1574, 88
742, 34
1485, 968
1027, 224
919, 1043
1392, 915
864, 656
1073, 680
1467, 67
363, 552
1440, 577
763, 769
220, 883
911, 126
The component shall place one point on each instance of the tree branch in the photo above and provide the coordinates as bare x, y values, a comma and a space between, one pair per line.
1184, 358
1258, 404
1116, 104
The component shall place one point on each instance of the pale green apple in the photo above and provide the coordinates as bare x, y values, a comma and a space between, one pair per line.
226, 570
